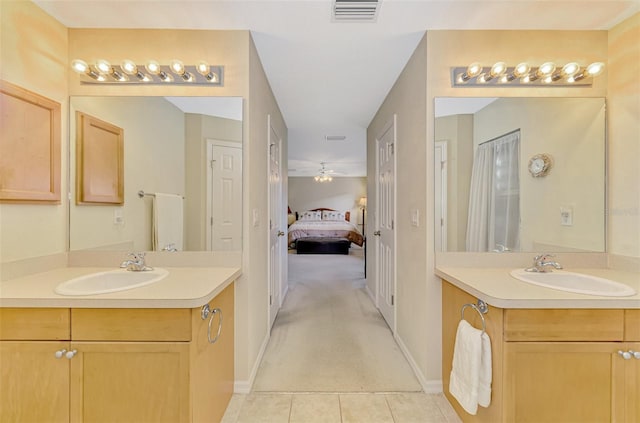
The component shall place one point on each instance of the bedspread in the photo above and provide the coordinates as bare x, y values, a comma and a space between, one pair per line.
325, 229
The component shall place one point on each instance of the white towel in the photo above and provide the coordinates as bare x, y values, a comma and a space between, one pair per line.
168, 221
470, 381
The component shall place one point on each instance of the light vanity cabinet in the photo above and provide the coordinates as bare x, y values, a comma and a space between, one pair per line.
146, 365
552, 365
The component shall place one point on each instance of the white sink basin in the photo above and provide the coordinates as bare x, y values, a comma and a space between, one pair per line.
575, 282
111, 281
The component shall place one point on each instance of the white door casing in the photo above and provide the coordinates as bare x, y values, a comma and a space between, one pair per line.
224, 196
385, 223
440, 189
276, 232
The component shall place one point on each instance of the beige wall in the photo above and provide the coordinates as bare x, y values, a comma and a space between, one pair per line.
33, 55
153, 162
340, 194
418, 310
623, 113
199, 128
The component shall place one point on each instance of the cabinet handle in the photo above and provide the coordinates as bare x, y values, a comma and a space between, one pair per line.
635, 354
625, 354
70, 354
60, 353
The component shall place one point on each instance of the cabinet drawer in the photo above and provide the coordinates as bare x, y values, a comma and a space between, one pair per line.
42, 324
563, 325
632, 325
131, 325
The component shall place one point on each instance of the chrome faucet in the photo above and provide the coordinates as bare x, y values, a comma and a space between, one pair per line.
135, 263
542, 264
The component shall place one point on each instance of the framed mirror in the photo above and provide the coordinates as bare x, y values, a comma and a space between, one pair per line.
182, 175
520, 174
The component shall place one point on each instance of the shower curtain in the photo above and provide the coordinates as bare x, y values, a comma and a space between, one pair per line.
493, 222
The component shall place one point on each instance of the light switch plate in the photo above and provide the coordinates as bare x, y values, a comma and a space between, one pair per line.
255, 217
415, 217
566, 216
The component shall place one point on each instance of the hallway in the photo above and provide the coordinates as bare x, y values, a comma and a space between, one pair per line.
332, 358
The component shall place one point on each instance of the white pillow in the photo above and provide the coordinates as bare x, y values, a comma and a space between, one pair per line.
310, 215
332, 215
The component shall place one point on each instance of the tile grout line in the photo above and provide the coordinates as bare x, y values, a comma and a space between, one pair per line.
386, 400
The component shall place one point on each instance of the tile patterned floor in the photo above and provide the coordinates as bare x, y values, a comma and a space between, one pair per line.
405, 407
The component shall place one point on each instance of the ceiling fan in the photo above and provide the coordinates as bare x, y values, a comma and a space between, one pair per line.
324, 174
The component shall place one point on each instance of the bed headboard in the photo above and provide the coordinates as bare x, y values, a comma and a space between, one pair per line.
347, 214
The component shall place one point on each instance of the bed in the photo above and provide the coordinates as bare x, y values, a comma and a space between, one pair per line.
324, 230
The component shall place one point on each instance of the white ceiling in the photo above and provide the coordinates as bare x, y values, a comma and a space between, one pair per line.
330, 78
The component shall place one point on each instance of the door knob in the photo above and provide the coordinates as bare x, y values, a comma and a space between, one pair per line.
70, 354
280, 233
377, 233
60, 353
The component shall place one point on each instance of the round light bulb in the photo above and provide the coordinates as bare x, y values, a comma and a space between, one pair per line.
595, 68
482, 78
546, 68
177, 67
80, 66
203, 68
498, 69
474, 69
548, 79
129, 67
521, 70
153, 67
103, 66
570, 69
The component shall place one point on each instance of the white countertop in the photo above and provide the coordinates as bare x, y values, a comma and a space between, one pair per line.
184, 287
498, 288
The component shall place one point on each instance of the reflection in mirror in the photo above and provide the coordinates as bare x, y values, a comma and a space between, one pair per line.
520, 174
185, 154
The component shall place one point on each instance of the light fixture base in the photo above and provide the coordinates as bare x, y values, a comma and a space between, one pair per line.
156, 79
457, 81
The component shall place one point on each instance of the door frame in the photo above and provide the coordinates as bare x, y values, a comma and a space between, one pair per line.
442, 170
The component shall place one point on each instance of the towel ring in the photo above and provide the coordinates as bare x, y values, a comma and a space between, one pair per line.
479, 308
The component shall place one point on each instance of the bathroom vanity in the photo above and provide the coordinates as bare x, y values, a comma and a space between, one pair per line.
556, 356
150, 354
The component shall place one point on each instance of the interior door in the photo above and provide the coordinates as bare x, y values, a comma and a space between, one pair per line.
224, 203
275, 222
385, 231
440, 189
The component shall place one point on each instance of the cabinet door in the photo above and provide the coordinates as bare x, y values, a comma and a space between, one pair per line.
632, 386
130, 382
35, 384
213, 364
562, 382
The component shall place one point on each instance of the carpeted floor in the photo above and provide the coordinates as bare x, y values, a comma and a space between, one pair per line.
329, 337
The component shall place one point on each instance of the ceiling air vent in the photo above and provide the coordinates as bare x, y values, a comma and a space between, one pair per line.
335, 137
355, 10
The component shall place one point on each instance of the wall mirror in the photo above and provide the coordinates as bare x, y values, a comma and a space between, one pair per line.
520, 174
182, 175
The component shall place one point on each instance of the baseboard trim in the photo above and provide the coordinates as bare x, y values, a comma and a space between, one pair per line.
244, 386
368, 291
428, 386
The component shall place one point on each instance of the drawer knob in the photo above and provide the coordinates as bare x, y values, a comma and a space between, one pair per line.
71, 354
625, 354
635, 354
60, 353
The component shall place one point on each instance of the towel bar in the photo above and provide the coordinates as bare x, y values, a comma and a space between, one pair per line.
142, 194
481, 308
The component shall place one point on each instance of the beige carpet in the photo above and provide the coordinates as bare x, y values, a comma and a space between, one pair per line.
329, 337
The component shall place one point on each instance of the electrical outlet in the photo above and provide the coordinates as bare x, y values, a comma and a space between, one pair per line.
118, 218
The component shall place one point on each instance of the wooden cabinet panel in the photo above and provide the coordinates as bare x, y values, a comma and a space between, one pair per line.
40, 324
131, 324
561, 382
452, 301
563, 325
632, 325
632, 386
35, 385
130, 382
212, 365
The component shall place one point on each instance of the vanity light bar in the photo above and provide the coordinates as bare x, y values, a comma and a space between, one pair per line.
523, 75
152, 73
